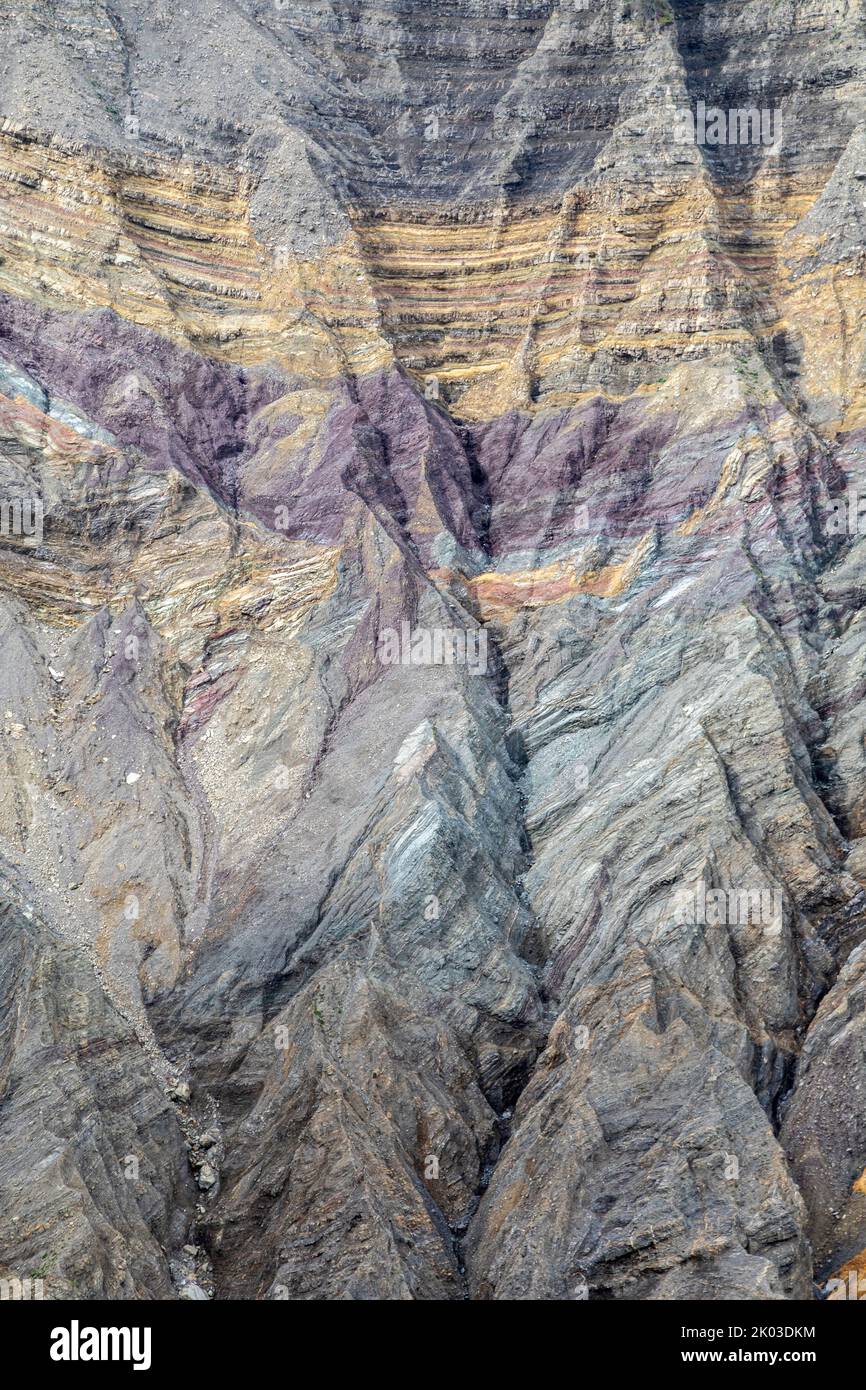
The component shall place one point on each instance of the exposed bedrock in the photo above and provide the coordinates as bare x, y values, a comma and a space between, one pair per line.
95, 1180
535, 972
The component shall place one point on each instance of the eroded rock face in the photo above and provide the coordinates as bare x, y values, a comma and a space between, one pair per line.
95, 1173
432, 845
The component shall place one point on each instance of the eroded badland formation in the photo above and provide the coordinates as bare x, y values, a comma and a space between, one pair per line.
371, 978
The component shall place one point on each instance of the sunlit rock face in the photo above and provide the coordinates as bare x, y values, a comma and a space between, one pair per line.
433, 836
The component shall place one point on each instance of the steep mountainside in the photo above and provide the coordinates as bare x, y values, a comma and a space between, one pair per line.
337, 338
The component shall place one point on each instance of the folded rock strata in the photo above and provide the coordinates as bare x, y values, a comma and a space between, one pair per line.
382, 978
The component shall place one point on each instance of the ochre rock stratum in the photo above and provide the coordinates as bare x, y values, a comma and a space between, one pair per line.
532, 973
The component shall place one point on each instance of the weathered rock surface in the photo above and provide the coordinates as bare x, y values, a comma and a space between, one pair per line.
534, 974
94, 1175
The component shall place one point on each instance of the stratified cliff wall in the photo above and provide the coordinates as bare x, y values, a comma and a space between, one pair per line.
330, 332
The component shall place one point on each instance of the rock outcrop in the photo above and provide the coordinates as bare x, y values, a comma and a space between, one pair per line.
433, 849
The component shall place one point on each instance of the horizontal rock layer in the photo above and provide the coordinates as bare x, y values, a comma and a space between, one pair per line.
532, 973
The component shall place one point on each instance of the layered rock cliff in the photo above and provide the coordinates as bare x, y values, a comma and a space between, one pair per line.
332, 968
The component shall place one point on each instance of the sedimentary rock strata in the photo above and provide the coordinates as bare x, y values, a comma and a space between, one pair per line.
338, 345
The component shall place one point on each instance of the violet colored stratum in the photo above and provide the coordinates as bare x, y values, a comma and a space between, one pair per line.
432, 649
